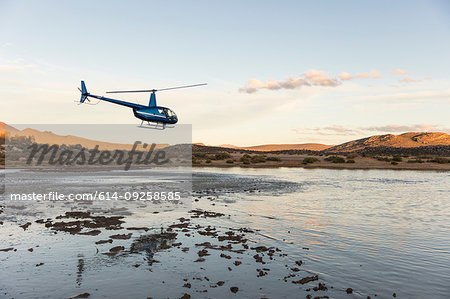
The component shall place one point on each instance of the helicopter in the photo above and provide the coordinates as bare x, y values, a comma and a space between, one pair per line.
156, 117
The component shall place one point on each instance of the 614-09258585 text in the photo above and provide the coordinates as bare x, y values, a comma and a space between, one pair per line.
159, 196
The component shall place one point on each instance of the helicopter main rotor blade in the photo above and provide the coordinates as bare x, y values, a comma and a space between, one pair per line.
155, 90
185, 86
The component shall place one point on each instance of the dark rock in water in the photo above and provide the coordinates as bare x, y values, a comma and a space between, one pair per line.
84, 295
117, 249
199, 260
25, 226
185, 296
349, 290
220, 283
40, 264
306, 279
261, 273
203, 252
185, 249
258, 259
137, 265
295, 269
237, 263
394, 295
299, 262
187, 285
30, 249
7, 249
320, 287
138, 228
225, 256
260, 248
104, 241
121, 236
94, 232
234, 289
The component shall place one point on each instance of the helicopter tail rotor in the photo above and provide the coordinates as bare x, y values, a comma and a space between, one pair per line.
84, 92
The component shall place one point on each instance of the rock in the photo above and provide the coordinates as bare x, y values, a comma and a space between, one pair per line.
306, 279
104, 241
234, 289
121, 236
349, 290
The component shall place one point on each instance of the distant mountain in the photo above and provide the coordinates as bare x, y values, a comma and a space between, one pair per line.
405, 140
276, 147
46, 137
285, 147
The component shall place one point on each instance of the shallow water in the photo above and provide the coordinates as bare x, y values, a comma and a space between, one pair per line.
378, 232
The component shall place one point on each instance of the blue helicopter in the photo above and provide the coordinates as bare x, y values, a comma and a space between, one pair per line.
156, 117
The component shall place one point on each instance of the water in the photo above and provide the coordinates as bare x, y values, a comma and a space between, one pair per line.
378, 232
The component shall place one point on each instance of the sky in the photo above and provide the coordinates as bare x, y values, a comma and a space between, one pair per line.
277, 71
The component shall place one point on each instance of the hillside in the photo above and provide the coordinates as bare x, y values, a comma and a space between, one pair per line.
406, 140
46, 137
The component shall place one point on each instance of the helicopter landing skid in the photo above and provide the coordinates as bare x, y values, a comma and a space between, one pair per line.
154, 126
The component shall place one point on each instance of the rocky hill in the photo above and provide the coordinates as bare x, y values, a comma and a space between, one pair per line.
406, 140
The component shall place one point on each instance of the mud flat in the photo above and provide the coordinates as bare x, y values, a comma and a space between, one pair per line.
249, 233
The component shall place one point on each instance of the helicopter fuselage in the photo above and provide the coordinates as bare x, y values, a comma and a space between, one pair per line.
157, 114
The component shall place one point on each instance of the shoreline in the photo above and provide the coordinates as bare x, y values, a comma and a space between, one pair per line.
360, 164
338, 167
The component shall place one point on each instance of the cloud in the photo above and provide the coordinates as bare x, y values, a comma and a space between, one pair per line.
345, 76
331, 130
338, 130
408, 80
406, 128
372, 75
15, 66
310, 78
399, 72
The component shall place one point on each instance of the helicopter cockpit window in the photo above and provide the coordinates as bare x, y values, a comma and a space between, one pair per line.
160, 111
169, 113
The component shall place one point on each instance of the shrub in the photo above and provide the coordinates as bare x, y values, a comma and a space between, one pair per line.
208, 161
222, 156
440, 160
385, 159
195, 161
230, 161
394, 163
350, 161
276, 159
417, 160
335, 159
310, 160
397, 159
258, 159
